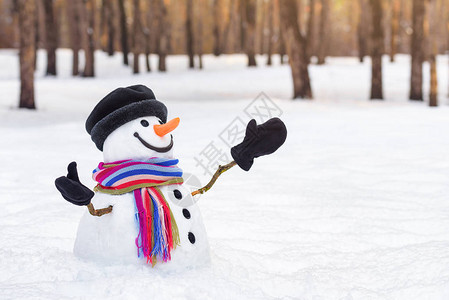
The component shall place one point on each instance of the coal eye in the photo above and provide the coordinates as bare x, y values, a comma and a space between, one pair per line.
160, 122
144, 123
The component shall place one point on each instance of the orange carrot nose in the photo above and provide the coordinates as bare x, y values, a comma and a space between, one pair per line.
163, 129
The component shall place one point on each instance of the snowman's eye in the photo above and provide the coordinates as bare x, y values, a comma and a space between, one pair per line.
144, 123
160, 122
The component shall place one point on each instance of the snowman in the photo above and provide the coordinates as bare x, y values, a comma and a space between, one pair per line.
140, 211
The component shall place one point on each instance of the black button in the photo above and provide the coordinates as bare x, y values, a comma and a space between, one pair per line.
186, 213
178, 194
192, 238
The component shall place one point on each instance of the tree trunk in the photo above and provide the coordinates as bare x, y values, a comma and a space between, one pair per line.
261, 10
362, 30
137, 36
163, 41
198, 41
123, 31
234, 28
110, 17
447, 33
433, 36
51, 40
404, 35
89, 49
377, 50
352, 22
310, 37
270, 32
217, 27
296, 49
282, 47
299, 15
443, 19
277, 34
417, 51
225, 43
242, 13
27, 11
73, 13
324, 32
147, 53
189, 34
250, 32
394, 29
148, 34
426, 42
102, 36
40, 30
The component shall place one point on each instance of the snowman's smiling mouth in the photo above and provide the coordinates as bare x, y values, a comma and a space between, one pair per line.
154, 148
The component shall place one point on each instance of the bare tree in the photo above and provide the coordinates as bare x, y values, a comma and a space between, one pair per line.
110, 17
162, 39
417, 50
261, 11
377, 50
123, 31
447, 35
270, 32
73, 16
296, 49
88, 28
51, 40
217, 26
310, 36
250, 32
281, 43
137, 35
234, 45
362, 30
189, 33
324, 32
198, 17
146, 24
394, 29
282, 47
300, 10
40, 30
433, 36
443, 25
225, 42
242, 27
27, 11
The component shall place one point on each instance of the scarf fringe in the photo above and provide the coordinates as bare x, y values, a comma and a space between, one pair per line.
158, 231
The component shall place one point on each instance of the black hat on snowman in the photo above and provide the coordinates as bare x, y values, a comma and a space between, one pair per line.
121, 106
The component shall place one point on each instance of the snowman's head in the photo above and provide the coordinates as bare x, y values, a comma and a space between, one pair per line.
140, 139
129, 123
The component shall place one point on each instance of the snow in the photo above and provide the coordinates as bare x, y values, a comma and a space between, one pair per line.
353, 206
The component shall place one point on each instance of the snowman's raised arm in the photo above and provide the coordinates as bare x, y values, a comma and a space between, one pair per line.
259, 140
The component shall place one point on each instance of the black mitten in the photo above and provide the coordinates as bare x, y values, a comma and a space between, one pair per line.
72, 189
259, 140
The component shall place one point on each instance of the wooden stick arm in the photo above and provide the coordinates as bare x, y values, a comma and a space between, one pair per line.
98, 212
220, 170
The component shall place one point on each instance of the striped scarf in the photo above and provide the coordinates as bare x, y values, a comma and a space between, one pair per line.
158, 232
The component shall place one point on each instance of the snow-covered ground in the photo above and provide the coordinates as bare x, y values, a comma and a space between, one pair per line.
355, 205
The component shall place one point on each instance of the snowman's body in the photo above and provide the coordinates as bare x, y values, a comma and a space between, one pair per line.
112, 237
